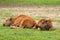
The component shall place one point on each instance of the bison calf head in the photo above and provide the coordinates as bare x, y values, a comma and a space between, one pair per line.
8, 22
45, 24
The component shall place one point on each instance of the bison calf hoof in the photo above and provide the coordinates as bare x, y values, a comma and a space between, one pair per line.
39, 29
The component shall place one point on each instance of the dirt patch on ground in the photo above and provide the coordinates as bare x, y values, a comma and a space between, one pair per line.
48, 11
34, 11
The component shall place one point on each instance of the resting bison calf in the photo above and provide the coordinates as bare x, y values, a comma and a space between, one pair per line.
8, 22
21, 21
45, 24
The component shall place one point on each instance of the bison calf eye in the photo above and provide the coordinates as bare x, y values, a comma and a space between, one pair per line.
46, 21
17, 25
42, 23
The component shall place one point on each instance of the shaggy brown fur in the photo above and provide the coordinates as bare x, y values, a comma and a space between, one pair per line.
24, 22
10, 21
21, 21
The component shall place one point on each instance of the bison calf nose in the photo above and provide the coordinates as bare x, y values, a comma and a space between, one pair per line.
3, 24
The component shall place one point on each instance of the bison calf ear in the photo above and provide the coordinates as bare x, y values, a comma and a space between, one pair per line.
11, 18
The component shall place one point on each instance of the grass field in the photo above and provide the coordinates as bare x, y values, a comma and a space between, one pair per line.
27, 34
30, 2
6, 33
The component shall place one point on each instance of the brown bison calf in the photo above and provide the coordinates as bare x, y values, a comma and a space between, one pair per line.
45, 24
21, 21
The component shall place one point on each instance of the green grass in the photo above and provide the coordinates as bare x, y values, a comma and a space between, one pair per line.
38, 17
8, 15
27, 34
6, 33
31, 2
54, 20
